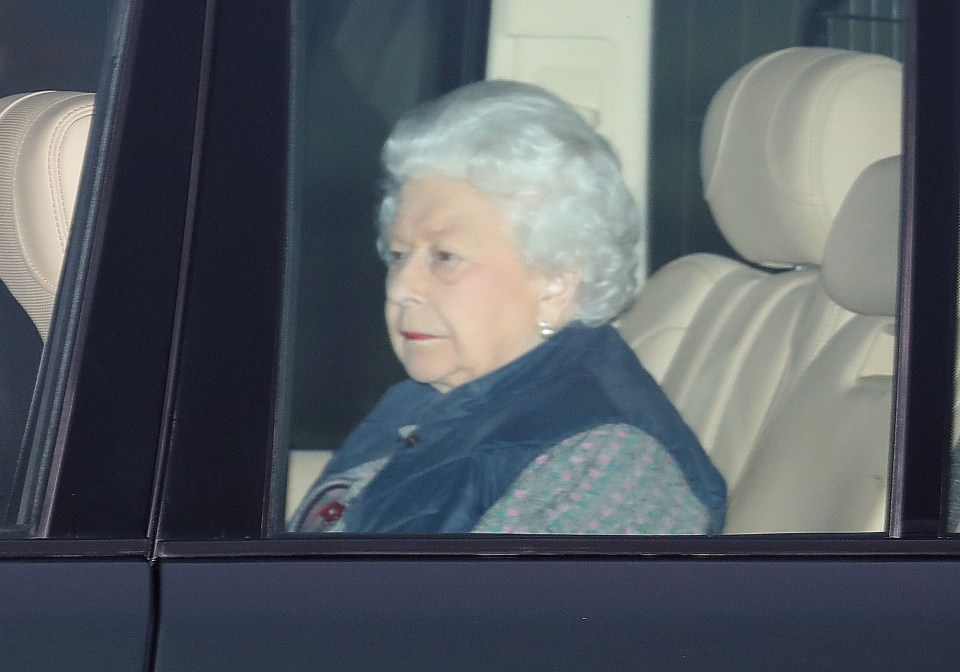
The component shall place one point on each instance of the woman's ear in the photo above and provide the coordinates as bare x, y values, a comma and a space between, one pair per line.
557, 301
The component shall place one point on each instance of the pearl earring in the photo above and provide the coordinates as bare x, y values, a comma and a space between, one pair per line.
546, 330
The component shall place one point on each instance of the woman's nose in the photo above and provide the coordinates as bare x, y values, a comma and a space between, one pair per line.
405, 280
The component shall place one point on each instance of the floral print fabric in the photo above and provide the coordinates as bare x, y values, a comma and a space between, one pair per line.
613, 479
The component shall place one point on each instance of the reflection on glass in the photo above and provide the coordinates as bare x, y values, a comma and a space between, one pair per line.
953, 486
358, 67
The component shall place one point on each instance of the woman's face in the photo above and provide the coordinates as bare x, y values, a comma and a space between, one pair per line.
460, 302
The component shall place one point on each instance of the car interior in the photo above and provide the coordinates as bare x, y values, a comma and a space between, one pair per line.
43, 137
780, 357
785, 375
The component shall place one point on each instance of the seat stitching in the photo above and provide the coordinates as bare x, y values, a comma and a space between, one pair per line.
55, 181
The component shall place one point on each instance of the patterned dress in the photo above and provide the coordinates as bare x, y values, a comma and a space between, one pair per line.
613, 479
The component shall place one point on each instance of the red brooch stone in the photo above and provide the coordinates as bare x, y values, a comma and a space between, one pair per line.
331, 511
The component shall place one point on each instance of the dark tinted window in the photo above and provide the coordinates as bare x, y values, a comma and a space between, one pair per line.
57, 47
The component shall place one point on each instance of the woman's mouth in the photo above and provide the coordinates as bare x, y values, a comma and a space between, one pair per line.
416, 336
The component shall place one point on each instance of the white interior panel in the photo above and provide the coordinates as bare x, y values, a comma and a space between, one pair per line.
594, 54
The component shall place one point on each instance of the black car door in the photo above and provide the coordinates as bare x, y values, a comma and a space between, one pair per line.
235, 592
77, 589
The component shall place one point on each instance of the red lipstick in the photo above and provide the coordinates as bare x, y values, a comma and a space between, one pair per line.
415, 336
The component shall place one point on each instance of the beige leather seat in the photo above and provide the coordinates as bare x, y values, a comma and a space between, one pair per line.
42, 141
740, 347
821, 460
43, 137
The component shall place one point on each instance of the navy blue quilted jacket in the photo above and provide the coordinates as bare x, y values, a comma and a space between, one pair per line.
453, 455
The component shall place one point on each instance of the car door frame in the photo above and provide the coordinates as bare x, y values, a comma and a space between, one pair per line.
76, 579
217, 565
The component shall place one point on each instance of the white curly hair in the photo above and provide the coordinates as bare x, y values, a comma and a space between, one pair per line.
558, 180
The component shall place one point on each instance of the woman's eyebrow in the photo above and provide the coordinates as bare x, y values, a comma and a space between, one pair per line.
446, 225
395, 239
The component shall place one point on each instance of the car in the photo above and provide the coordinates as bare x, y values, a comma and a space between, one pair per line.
215, 332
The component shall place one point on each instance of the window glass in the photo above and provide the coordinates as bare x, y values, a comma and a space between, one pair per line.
358, 67
50, 60
953, 481
953, 484
768, 329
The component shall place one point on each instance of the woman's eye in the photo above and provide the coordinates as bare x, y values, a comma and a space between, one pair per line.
396, 257
445, 258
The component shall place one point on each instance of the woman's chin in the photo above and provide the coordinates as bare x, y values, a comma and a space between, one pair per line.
439, 380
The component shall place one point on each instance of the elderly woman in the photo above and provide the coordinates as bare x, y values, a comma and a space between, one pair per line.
510, 241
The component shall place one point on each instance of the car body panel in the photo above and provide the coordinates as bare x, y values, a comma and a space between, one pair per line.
562, 614
70, 613
169, 426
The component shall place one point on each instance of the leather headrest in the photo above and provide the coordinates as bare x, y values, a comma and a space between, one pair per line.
783, 140
860, 262
43, 137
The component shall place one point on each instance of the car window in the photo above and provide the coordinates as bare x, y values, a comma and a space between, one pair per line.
766, 348
51, 62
